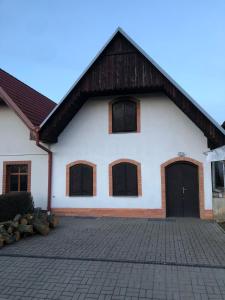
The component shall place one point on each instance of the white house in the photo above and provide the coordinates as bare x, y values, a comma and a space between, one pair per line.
126, 140
23, 165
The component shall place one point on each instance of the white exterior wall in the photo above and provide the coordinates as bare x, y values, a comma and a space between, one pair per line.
165, 131
17, 146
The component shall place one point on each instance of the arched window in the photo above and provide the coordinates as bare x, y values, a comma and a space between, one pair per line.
124, 116
125, 179
81, 177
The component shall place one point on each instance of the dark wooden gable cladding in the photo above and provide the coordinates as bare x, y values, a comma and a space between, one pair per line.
122, 69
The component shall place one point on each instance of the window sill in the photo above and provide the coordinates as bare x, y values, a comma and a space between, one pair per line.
124, 132
76, 196
127, 196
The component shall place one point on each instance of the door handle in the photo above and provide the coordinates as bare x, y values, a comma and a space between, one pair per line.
184, 189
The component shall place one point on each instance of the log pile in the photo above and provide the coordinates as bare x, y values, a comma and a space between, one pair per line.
26, 225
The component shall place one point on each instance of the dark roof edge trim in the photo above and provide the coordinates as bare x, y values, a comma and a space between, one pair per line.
8, 101
119, 29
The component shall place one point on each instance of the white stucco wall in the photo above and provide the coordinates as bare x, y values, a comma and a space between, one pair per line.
165, 131
16, 146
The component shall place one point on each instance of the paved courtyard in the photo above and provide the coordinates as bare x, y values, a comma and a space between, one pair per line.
113, 258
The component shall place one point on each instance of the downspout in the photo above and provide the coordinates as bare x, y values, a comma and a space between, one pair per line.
49, 168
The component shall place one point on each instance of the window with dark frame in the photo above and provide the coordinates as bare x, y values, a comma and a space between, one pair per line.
81, 180
124, 116
218, 172
125, 179
16, 178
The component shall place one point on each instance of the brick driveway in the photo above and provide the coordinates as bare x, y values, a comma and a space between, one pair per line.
112, 258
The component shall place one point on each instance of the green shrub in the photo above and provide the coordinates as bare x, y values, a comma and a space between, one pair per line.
15, 203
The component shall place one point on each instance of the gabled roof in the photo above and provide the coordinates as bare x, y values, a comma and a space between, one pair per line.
31, 106
122, 67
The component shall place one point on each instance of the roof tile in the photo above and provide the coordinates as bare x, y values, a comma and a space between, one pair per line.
34, 105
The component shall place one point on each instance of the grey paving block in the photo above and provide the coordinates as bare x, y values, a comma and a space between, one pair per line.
115, 242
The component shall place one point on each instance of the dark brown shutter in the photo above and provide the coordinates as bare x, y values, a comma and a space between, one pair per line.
124, 116
131, 180
75, 180
125, 179
81, 180
87, 180
118, 117
119, 179
130, 116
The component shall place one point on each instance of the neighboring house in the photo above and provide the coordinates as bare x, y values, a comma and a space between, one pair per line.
24, 166
127, 141
218, 171
217, 157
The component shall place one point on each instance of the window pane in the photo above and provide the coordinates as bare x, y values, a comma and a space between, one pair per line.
219, 174
23, 168
23, 183
13, 183
13, 168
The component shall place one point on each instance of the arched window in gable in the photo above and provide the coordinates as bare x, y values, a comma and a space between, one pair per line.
125, 115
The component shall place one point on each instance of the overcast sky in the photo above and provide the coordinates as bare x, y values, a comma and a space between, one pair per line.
48, 43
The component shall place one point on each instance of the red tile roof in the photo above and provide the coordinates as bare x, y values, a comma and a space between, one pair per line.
34, 105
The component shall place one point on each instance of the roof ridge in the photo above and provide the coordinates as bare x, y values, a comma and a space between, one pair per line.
27, 85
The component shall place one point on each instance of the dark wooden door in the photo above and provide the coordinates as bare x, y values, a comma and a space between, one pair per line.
182, 190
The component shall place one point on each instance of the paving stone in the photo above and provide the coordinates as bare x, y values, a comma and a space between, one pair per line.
180, 241
115, 242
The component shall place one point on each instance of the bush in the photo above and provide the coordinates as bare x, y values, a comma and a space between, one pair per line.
15, 203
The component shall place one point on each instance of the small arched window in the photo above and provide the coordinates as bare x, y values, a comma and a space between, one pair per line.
124, 179
124, 116
81, 181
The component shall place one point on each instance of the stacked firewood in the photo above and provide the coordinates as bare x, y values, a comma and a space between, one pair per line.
25, 225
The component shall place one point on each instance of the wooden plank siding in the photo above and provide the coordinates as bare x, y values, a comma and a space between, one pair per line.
123, 69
